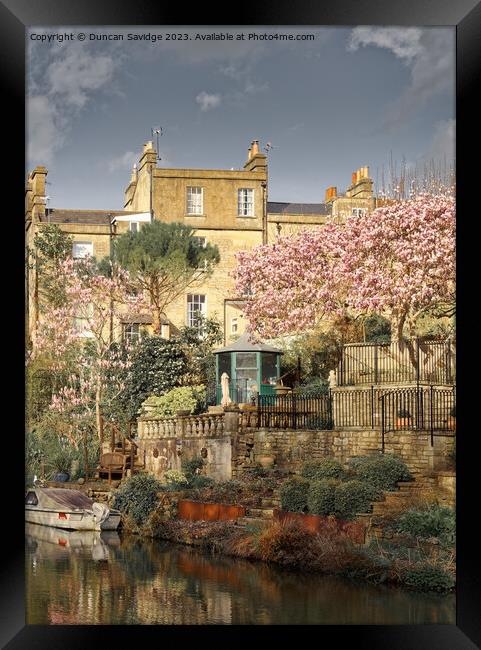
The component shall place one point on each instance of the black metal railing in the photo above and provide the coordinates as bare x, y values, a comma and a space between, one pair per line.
422, 408
420, 361
294, 411
356, 407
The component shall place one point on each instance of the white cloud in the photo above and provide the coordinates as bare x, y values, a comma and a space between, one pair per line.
429, 53
403, 42
77, 74
125, 161
44, 138
207, 101
61, 83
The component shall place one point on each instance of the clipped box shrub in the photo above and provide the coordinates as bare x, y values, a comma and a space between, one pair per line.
199, 482
322, 469
353, 497
175, 479
320, 497
293, 493
184, 398
428, 577
382, 471
436, 521
137, 497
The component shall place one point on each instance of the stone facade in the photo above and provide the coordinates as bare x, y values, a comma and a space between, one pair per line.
162, 193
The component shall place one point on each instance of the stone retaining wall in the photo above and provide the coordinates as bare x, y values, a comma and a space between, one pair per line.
290, 449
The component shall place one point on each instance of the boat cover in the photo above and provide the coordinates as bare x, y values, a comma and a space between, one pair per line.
56, 498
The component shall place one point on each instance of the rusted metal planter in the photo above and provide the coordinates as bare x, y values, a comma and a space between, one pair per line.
355, 530
198, 511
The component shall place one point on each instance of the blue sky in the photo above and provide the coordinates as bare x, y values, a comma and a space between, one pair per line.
349, 98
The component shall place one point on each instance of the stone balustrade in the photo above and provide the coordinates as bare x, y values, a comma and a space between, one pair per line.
206, 425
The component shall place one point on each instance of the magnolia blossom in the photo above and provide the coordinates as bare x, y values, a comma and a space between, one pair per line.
398, 261
100, 302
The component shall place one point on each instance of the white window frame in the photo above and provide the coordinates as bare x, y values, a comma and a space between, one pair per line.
132, 336
234, 323
195, 201
85, 244
245, 202
358, 212
136, 224
191, 312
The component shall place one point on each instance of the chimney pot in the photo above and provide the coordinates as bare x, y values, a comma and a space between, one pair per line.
254, 148
354, 178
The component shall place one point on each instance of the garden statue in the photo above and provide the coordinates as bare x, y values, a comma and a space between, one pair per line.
224, 382
332, 379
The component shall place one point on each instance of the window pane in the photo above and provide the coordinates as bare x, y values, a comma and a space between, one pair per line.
82, 249
246, 360
194, 200
245, 202
195, 305
224, 364
269, 367
243, 376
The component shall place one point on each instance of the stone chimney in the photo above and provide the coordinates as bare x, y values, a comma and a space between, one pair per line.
331, 194
131, 187
149, 156
256, 161
36, 193
361, 184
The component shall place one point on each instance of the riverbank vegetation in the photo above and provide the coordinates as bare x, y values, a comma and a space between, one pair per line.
416, 552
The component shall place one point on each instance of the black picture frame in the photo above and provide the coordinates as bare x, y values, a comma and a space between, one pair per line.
15, 17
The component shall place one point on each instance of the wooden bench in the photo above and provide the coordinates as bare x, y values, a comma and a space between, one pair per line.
113, 462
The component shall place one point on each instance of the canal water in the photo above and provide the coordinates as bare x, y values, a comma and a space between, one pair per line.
104, 578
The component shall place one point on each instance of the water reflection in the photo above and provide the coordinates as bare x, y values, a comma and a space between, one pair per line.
101, 578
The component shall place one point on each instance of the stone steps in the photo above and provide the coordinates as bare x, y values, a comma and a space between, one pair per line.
264, 513
257, 522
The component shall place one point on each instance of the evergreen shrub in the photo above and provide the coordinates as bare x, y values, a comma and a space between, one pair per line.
382, 471
436, 521
353, 497
320, 497
293, 493
137, 497
325, 468
428, 577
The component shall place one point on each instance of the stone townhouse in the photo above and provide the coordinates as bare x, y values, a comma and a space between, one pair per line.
228, 208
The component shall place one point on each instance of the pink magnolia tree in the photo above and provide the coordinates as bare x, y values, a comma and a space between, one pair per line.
398, 261
79, 335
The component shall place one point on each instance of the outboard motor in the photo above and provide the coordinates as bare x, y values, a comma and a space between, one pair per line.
100, 512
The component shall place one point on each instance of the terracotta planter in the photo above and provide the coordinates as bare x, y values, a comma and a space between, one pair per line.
182, 413
282, 390
404, 423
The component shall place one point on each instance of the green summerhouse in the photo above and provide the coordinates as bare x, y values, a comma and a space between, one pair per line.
253, 368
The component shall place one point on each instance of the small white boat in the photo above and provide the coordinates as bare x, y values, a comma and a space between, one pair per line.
68, 509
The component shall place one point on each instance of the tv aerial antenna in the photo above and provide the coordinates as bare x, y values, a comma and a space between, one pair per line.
269, 146
157, 131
